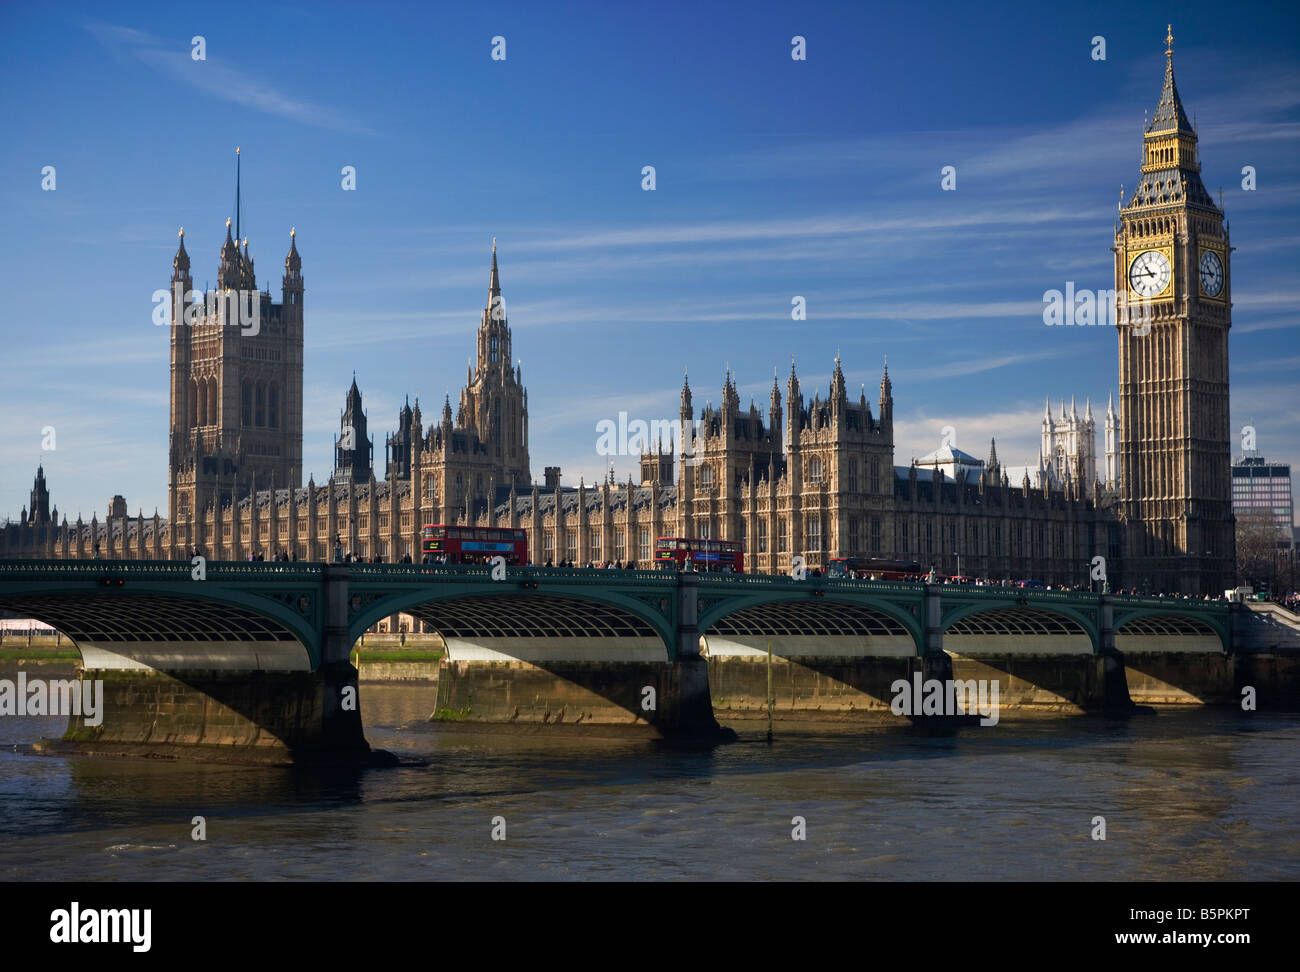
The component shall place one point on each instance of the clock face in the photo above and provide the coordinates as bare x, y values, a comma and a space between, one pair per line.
1211, 274
1149, 273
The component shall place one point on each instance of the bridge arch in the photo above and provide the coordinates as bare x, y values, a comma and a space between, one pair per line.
507, 609
155, 625
1159, 629
820, 616
996, 619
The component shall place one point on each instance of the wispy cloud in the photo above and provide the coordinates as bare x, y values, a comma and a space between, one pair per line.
215, 77
976, 366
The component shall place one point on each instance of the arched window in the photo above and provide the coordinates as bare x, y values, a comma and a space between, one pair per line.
245, 404
273, 407
194, 403
259, 406
706, 475
493, 353
212, 401
815, 476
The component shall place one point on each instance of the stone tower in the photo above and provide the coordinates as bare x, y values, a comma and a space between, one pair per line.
236, 381
1112, 445
494, 403
1171, 266
40, 500
400, 445
353, 448
1069, 445
657, 465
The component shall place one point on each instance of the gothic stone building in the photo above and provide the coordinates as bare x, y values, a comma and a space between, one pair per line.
236, 383
814, 477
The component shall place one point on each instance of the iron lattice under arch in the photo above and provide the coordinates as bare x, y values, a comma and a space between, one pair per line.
148, 617
1015, 621
826, 618
1165, 624
529, 616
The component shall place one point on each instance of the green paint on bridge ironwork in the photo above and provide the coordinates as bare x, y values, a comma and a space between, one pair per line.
292, 596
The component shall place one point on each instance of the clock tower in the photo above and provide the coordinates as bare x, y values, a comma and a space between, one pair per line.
1172, 283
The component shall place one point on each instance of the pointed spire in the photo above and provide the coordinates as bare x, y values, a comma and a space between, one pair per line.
1087, 410
494, 285
993, 455
1074, 412
181, 262
1047, 410
1169, 115
237, 190
292, 261
1110, 405
353, 405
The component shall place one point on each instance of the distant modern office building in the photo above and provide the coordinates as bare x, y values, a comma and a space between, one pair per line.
1259, 485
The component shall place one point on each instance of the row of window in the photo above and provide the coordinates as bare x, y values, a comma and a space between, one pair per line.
816, 473
259, 406
930, 539
644, 550
253, 352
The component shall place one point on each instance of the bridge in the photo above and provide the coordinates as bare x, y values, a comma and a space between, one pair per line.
255, 657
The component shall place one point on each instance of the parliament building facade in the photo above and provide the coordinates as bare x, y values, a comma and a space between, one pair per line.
808, 476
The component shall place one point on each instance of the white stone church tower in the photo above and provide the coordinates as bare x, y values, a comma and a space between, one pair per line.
1069, 448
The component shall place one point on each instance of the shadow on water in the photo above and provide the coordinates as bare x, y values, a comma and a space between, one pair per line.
63, 794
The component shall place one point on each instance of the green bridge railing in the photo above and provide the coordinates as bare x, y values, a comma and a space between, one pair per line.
297, 570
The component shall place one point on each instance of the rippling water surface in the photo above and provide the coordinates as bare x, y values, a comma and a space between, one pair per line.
1195, 794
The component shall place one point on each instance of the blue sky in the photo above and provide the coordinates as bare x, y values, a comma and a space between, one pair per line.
775, 178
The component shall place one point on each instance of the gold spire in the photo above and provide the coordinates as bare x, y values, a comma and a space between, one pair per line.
182, 232
291, 231
227, 222
1169, 41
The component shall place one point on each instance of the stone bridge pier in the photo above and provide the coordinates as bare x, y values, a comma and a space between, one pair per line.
342, 733
693, 714
1107, 690
244, 665
624, 657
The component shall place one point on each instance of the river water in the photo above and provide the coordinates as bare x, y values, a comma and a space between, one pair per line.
1195, 794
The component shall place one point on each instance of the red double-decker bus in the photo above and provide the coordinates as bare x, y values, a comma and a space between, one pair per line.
717, 556
474, 545
874, 568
